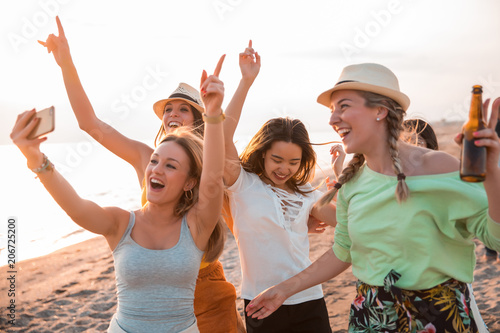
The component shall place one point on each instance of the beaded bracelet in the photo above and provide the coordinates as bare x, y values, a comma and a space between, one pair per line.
214, 119
46, 165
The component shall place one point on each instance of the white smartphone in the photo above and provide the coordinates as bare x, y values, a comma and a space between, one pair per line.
45, 125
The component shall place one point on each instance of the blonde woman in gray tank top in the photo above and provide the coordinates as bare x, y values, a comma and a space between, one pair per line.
158, 248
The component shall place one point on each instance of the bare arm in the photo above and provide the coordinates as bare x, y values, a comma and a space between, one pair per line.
134, 152
325, 268
87, 214
250, 66
326, 213
208, 209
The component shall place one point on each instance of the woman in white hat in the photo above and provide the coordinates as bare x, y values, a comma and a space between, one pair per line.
215, 297
158, 248
405, 220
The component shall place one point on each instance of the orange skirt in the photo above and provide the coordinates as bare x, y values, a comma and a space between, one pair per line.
215, 302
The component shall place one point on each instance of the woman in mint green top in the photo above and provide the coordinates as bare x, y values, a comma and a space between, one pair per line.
405, 220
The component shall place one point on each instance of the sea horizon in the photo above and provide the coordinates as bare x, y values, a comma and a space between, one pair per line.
42, 227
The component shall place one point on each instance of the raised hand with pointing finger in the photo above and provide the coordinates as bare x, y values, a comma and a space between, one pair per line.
58, 46
249, 63
212, 91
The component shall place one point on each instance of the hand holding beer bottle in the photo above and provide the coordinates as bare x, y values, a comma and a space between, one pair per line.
472, 157
480, 142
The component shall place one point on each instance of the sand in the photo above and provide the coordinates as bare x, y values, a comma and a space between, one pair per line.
73, 289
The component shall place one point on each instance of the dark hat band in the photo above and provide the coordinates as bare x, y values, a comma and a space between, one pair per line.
179, 95
346, 81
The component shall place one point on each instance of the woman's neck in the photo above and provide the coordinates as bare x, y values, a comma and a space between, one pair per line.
379, 159
159, 214
283, 187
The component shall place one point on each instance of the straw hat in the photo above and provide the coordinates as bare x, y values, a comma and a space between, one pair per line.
183, 92
368, 77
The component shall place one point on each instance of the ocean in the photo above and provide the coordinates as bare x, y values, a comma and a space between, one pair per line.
42, 227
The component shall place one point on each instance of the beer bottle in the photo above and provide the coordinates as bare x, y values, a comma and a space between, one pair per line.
473, 158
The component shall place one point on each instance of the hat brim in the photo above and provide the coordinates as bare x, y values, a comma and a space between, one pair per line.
399, 97
159, 106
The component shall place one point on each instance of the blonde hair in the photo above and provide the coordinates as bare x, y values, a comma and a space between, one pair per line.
394, 121
192, 144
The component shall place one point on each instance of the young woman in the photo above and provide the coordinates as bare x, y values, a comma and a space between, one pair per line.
169, 235
215, 297
270, 200
406, 229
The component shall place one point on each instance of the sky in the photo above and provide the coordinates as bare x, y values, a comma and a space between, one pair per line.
129, 54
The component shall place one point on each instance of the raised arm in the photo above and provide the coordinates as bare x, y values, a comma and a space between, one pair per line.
87, 214
207, 210
250, 67
325, 268
134, 152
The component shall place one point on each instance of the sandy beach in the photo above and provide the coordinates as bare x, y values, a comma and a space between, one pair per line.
73, 289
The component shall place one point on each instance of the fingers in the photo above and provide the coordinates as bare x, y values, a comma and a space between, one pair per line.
495, 110
486, 103
25, 123
338, 149
459, 138
202, 81
253, 307
485, 135
262, 313
205, 84
250, 44
219, 65
257, 58
59, 26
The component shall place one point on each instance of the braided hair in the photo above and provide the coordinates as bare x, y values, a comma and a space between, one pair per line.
394, 120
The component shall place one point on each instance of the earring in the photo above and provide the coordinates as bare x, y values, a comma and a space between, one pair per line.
378, 119
189, 194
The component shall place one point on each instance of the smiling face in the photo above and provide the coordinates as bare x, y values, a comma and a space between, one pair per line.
177, 113
356, 123
167, 174
281, 162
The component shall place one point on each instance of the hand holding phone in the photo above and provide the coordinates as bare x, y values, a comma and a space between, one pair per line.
45, 125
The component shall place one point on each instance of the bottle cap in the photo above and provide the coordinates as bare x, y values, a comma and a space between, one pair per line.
477, 89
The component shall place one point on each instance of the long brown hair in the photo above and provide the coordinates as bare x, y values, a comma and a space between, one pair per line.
281, 129
198, 126
394, 121
192, 144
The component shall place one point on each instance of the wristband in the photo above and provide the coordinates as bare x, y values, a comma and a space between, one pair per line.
214, 119
46, 165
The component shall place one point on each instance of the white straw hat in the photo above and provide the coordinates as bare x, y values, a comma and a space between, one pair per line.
368, 77
183, 92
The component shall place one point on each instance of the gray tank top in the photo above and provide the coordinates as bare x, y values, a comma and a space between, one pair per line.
155, 288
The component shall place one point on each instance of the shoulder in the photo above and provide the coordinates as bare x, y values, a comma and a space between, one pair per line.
244, 180
423, 161
436, 162
121, 219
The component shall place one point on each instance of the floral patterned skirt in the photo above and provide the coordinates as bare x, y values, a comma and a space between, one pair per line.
442, 309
